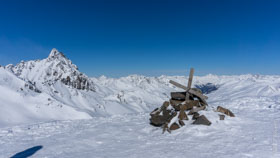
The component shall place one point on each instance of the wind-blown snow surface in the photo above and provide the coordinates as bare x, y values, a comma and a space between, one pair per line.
115, 114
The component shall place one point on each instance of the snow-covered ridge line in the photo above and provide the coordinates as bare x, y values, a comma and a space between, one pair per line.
66, 93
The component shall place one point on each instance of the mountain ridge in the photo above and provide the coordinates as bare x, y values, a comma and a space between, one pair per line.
57, 67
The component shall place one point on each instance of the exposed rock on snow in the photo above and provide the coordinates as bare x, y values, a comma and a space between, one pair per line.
202, 120
225, 111
222, 117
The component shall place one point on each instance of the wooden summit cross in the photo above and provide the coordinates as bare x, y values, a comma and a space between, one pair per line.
189, 90
190, 78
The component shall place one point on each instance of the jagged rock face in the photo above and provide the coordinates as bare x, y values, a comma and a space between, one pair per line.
56, 68
32, 87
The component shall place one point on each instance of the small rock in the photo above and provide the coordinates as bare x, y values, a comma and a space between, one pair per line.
195, 116
178, 95
183, 115
225, 111
155, 112
196, 110
165, 104
181, 123
175, 102
222, 117
202, 120
190, 104
174, 126
157, 120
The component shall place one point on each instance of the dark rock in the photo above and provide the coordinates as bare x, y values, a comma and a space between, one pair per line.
174, 126
165, 127
81, 82
195, 116
163, 108
225, 111
161, 116
155, 112
222, 117
196, 110
176, 104
181, 123
158, 120
168, 113
202, 120
165, 104
183, 115
176, 108
37, 91
178, 96
190, 104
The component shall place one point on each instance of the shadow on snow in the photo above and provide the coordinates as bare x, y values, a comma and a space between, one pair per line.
207, 88
28, 152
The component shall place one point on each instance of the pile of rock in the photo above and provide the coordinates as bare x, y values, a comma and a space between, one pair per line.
172, 114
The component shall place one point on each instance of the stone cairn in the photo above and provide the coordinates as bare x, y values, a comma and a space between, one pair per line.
172, 114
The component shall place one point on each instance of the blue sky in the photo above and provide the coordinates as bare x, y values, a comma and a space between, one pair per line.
148, 37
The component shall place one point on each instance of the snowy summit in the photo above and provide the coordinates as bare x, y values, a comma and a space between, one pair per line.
107, 114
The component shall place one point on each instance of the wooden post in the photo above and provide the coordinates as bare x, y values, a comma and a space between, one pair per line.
178, 85
190, 78
189, 85
193, 92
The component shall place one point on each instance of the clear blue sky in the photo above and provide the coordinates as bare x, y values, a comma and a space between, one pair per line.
149, 37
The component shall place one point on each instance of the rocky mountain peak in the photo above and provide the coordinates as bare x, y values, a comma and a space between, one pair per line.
55, 68
55, 54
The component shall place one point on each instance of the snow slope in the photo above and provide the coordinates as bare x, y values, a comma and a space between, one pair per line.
253, 133
69, 110
19, 104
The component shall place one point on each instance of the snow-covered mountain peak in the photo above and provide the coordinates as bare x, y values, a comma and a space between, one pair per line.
55, 68
55, 54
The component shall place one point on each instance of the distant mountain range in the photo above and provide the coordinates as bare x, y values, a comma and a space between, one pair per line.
55, 89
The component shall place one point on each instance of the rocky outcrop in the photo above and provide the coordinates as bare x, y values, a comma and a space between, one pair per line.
56, 68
